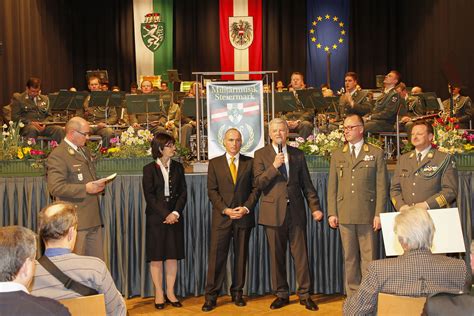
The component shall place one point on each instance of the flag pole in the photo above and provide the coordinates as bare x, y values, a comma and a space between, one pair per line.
328, 69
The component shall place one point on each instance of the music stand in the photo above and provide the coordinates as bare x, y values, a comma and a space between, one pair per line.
188, 108
430, 101
285, 101
65, 100
173, 75
143, 103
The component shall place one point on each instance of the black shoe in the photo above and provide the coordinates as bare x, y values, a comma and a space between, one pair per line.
174, 304
209, 305
279, 302
238, 299
160, 306
309, 304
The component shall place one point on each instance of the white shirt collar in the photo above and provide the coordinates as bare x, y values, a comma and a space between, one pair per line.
228, 156
12, 287
275, 147
387, 90
70, 144
358, 146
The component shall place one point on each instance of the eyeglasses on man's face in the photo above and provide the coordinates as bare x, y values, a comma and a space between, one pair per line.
85, 134
350, 127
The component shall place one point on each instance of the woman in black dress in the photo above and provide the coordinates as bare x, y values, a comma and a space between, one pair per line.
164, 187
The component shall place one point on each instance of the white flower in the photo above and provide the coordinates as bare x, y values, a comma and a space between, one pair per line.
314, 148
4, 126
5, 133
11, 123
21, 125
140, 142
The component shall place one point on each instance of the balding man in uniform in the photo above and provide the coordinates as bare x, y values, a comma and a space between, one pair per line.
424, 177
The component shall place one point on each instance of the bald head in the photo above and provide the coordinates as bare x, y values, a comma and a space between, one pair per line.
75, 124
55, 221
77, 131
416, 90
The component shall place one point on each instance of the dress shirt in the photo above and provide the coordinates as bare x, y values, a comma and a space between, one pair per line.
12, 287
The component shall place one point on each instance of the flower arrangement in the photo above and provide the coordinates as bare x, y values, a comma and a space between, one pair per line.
131, 144
11, 141
449, 139
321, 145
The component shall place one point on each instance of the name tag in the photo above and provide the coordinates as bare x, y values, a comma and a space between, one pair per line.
80, 177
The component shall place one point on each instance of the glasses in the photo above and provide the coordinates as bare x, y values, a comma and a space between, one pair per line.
350, 128
170, 145
85, 134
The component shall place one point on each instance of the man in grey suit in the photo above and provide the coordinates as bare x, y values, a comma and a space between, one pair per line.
233, 197
281, 174
416, 273
357, 194
32, 109
72, 178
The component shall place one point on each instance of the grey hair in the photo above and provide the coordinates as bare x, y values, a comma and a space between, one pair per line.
56, 219
17, 244
75, 124
275, 121
414, 228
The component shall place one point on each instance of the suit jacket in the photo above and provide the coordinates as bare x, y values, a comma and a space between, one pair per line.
386, 107
154, 190
25, 110
435, 180
357, 191
67, 174
21, 303
416, 273
224, 194
276, 191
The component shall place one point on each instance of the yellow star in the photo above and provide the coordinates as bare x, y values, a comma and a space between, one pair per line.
313, 39
326, 49
335, 18
327, 16
320, 18
334, 46
314, 23
341, 24
318, 45
341, 40
311, 31
343, 32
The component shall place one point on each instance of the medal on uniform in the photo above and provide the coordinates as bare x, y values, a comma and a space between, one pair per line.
80, 177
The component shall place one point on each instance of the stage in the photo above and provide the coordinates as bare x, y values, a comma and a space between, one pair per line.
123, 211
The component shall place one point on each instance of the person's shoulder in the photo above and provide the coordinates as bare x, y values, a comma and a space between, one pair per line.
41, 305
261, 151
294, 151
373, 148
245, 158
149, 166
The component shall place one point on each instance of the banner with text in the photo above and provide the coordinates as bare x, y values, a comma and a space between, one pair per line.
239, 105
153, 27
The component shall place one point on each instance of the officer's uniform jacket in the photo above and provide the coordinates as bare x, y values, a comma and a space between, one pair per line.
386, 107
462, 110
434, 180
357, 191
362, 105
26, 110
97, 114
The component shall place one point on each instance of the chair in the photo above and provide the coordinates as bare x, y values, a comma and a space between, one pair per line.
389, 304
86, 305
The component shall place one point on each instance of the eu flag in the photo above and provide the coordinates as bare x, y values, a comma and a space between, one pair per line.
328, 33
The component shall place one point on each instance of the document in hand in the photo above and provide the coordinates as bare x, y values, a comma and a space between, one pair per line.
448, 237
107, 179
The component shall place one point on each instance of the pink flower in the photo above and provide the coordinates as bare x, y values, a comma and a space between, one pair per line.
310, 138
300, 139
114, 140
35, 152
53, 143
31, 141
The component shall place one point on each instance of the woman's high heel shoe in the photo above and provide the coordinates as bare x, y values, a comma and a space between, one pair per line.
174, 304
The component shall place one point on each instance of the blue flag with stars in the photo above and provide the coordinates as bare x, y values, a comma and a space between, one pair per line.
328, 33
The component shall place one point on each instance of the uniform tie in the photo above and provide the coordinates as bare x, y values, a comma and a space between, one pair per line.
353, 153
418, 160
233, 170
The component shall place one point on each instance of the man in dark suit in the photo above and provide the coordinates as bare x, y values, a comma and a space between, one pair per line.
17, 268
416, 273
233, 197
72, 178
281, 174
32, 109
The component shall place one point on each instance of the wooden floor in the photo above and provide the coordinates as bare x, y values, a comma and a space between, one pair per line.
260, 305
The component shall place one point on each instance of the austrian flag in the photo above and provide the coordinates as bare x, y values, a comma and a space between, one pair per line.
234, 112
241, 37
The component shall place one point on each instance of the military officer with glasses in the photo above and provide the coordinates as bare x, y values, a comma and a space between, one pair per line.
357, 194
424, 177
71, 177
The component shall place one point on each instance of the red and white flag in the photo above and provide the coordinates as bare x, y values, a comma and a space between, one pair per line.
241, 37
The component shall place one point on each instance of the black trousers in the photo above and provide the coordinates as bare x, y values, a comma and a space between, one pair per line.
278, 238
220, 242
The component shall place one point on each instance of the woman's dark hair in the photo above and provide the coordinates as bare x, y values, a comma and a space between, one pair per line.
158, 143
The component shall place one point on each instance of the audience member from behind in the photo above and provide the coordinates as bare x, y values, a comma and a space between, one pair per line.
416, 273
17, 268
58, 229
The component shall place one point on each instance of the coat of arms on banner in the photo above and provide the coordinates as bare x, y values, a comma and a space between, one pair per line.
153, 31
241, 31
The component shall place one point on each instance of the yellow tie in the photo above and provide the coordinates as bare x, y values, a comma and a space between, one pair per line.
233, 169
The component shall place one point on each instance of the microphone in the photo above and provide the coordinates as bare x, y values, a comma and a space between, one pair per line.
280, 146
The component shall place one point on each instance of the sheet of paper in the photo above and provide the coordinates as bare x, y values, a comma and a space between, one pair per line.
109, 178
448, 237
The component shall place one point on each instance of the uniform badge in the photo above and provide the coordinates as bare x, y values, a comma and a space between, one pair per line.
80, 177
369, 158
429, 170
71, 151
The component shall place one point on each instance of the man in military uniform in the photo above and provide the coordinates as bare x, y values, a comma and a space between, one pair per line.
425, 177
384, 114
99, 116
357, 194
32, 109
412, 105
299, 121
462, 110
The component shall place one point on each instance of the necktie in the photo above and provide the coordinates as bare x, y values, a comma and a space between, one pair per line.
418, 160
233, 170
283, 171
353, 153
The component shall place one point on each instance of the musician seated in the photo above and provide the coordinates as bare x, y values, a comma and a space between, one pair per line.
326, 91
412, 106
462, 110
99, 117
299, 121
32, 109
154, 122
